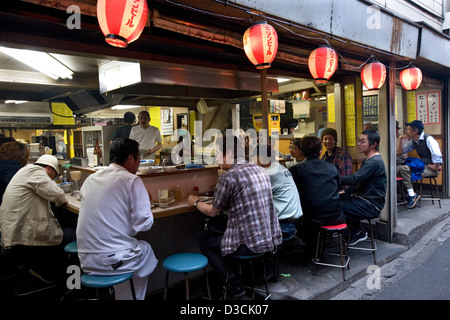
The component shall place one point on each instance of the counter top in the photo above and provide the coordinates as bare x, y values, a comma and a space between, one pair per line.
178, 207
153, 174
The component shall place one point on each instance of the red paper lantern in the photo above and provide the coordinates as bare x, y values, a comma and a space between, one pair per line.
322, 64
373, 75
411, 78
261, 44
121, 21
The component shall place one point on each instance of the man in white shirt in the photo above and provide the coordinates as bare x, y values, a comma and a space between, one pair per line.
285, 195
114, 207
149, 137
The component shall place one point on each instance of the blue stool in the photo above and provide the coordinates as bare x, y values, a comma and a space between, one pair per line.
98, 282
185, 263
240, 258
71, 247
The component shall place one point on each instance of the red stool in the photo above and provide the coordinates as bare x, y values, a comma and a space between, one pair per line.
323, 230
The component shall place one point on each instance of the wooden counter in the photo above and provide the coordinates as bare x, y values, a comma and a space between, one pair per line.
205, 178
179, 207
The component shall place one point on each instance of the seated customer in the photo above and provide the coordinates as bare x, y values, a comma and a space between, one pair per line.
429, 152
115, 206
28, 223
366, 198
285, 195
252, 225
13, 156
317, 182
296, 152
335, 155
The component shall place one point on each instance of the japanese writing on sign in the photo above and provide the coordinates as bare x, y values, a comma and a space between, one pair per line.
428, 107
269, 41
134, 11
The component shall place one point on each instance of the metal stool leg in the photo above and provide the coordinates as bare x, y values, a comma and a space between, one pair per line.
186, 281
372, 242
166, 284
133, 292
208, 290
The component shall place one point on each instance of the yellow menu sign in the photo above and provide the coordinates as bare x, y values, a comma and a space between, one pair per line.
411, 105
331, 108
62, 115
350, 120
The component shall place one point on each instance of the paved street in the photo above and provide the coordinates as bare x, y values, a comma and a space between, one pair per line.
421, 273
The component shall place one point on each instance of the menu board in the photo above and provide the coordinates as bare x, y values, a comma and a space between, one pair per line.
428, 107
62, 115
350, 123
162, 118
331, 108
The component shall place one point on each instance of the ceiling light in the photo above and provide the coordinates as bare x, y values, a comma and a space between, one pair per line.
281, 80
124, 106
16, 101
41, 61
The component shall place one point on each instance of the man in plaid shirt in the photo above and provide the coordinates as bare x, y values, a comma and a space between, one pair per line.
244, 190
341, 159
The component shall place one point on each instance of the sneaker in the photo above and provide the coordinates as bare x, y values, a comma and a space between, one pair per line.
360, 236
412, 201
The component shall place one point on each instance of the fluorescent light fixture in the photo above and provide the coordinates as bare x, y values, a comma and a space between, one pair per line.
124, 106
16, 101
41, 61
281, 80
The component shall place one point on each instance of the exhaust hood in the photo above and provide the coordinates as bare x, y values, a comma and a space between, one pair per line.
27, 115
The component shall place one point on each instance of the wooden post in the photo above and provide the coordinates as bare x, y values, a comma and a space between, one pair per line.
264, 108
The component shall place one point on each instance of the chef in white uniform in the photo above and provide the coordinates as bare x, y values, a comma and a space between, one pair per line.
149, 137
115, 206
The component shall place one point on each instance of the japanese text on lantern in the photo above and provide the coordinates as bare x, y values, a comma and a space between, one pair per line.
269, 41
331, 59
134, 10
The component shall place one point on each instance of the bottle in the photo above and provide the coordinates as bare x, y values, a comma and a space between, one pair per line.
178, 195
41, 146
97, 153
65, 177
195, 193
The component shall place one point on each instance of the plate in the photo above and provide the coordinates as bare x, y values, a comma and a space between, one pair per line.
204, 198
171, 200
149, 169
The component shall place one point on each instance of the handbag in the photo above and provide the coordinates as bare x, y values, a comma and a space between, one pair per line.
215, 225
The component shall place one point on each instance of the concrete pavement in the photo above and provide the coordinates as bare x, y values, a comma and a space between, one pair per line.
298, 283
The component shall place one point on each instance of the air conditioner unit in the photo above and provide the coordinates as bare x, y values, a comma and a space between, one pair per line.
25, 120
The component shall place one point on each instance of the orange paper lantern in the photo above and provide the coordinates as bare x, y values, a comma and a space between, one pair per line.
322, 64
121, 21
261, 44
373, 75
411, 78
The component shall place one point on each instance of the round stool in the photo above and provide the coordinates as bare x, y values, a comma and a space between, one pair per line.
71, 247
339, 228
241, 258
184, 263
98, 282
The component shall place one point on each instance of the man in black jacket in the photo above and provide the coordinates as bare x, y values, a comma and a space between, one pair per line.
366, 198
317, 182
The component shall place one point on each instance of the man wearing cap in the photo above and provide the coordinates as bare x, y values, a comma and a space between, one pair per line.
428, 150
26, 219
